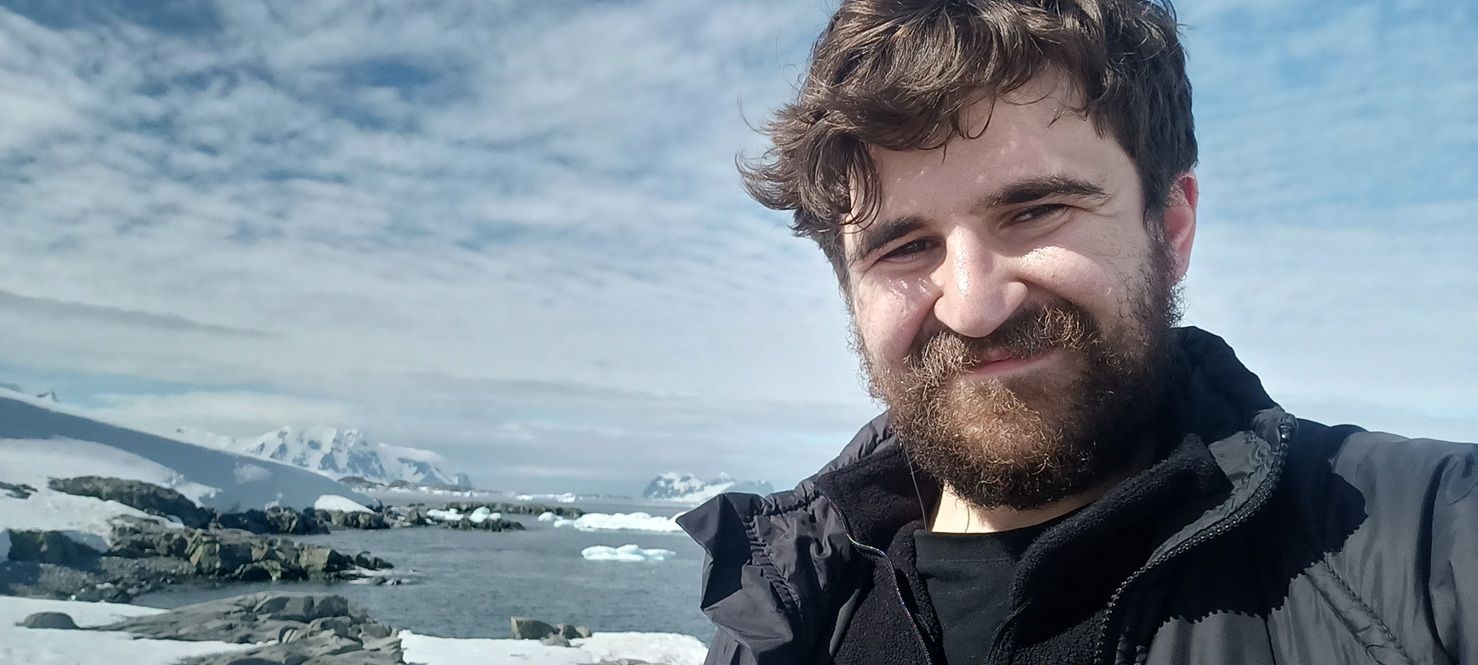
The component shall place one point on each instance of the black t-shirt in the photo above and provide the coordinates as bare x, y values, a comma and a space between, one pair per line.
968, 578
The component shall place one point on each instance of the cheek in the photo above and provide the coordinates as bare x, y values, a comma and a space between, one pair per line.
1098, 281
889, 317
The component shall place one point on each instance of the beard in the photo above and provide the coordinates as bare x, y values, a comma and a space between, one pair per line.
1026, 441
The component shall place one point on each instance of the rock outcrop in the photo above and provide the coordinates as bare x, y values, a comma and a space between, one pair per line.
291, 629
274, 520
20, 491
52, 620
147, 497
50, 547
236, 555
524, 628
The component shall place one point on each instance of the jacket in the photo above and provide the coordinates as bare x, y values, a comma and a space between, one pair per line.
1266, 539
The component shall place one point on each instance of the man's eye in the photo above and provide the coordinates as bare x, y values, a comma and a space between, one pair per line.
909, 249
1038, 213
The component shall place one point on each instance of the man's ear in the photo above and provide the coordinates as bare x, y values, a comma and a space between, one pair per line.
1180, 220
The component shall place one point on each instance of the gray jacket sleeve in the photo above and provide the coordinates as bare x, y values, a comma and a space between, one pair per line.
725, 650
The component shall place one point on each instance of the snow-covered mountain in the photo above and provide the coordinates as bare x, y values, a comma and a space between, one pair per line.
688, 488
41, 439
337, 453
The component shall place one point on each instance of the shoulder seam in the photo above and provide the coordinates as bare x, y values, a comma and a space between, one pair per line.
1385, 630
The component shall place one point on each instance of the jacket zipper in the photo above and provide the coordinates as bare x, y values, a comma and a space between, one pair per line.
1259, 497
898, 592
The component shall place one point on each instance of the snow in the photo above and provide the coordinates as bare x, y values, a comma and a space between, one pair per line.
483, 514
83, 519
73, 647
687, 488
335, 453
547, 516
620, 522
40, 440
567, 497
656, 648
339, 503
448, 515
625, 553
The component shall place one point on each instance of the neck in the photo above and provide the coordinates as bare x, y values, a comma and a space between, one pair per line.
956, 515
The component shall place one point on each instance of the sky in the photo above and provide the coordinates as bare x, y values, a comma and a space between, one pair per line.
512, 232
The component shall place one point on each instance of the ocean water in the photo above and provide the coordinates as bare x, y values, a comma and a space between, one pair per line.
468, 583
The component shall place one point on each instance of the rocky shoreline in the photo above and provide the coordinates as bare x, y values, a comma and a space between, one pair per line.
190, 543
292, 629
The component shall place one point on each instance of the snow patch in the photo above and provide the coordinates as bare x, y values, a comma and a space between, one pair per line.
626, 553
483, 514
620, 522
76, 647
83, 519
655, 648
339, 503
251, 473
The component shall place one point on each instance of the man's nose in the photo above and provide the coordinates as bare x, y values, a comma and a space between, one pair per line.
978, 287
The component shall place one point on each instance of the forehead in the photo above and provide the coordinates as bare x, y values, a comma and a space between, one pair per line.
1034, 132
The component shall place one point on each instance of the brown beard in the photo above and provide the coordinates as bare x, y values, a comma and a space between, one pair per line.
1024, 442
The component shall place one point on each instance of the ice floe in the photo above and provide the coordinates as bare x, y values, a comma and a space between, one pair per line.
627, 553
619, 522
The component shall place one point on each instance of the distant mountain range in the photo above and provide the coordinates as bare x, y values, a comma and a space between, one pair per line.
337, 453
688, 488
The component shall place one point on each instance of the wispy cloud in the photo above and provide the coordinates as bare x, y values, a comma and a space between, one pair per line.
512, 232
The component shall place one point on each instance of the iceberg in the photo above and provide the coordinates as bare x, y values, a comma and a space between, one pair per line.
627, 553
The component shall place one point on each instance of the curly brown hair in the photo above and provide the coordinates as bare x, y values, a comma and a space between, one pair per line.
897, 74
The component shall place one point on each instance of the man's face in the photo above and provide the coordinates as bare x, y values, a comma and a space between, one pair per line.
1010, 304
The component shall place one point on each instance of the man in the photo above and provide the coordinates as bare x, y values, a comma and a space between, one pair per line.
1005, 190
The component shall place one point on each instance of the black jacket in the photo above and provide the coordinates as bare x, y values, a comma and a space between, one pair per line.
1262, 538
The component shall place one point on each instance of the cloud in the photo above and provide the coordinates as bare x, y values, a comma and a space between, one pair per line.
77, 314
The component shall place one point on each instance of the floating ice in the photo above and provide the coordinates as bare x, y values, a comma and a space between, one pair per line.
628, 553
620, 522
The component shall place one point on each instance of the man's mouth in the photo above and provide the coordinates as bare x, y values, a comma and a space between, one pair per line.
999, 362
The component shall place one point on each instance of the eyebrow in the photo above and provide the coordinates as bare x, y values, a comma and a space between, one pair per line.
875, 236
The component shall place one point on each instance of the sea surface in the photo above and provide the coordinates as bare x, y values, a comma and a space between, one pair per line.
468, 583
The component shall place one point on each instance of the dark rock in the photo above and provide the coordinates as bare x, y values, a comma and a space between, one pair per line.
571, 631
524, 628
56, 620
352, 519
307, 607
371, 562
274, 520
21, 491
147, 497
49, 547
320, 560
